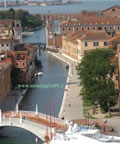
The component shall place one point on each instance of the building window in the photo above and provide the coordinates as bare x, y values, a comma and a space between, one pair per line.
95, 43
110, 28
69, 28
86, 44
116, 77
23, 63
105, 28
77, 29
20, 76
7, 45
88, 28
63, 29
105, 43
8, 56
2, 45
93, 28
17, 25
30, 63
99, 28
82, 28
118, 27
16, 64
113, 9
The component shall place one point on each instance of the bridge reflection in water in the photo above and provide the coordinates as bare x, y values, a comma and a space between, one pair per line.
35, 122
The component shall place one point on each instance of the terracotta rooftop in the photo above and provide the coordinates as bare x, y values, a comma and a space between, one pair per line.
93, 19
30, 47
25, 47
115, 39
6, 21
96, 36
87, 36
115, 6
7, 40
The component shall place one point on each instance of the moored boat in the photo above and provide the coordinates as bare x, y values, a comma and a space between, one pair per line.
83, 135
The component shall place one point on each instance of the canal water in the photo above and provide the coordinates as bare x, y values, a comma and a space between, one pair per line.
51, 84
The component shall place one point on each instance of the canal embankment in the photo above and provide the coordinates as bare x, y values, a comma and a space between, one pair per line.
71, 107
14, 98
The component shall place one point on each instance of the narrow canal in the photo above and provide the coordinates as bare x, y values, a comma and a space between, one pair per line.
51, 84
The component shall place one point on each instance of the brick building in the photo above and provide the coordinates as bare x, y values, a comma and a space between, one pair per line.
91, 23
113, 11
11, 28
5, 80
23, 57
6, 44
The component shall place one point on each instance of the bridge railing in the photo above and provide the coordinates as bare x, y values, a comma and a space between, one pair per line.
60, 121
16, 121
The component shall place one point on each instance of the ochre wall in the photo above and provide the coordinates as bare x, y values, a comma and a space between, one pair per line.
5, 82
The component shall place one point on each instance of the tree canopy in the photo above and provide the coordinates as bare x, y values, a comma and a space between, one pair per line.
95, 72
27, 20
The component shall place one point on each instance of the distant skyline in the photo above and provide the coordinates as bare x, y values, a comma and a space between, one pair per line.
50, 0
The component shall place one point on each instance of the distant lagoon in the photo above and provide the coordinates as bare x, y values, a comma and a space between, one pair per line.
71, 8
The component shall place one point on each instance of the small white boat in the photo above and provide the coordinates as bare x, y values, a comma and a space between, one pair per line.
83, 135
39, 74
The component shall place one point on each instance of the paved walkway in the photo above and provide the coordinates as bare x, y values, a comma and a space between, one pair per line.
114, 122
71, 107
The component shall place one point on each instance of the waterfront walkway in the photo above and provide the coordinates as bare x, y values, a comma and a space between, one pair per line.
72, 107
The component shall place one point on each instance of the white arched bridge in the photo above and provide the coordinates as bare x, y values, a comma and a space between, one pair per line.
39, 124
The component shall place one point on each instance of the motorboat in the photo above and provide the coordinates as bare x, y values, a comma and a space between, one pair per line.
39, 74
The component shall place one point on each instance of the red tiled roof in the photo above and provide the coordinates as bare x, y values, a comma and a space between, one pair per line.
115, 6
5, 40
6, 21
88, 36
96, 36
115, 39
94, 19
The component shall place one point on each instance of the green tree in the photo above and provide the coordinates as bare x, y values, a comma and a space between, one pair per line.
21, 15
95, 71
2, 15
10, 14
